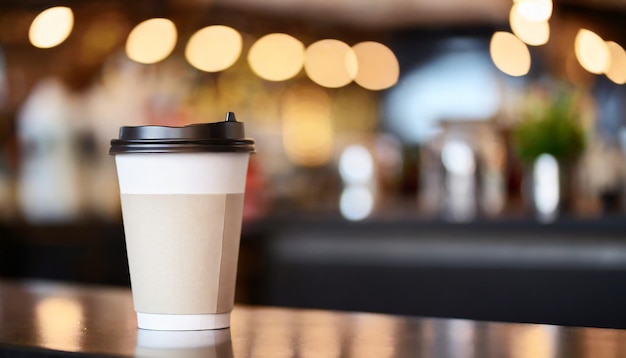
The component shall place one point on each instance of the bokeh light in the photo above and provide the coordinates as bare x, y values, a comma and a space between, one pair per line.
534, 33
535, 10
276, 57
356, 165
59, 316
458, 158
356, 202
330, 63
151, 41
591, 51
51, 27
308, 133
546, 186
509, 54
459, 84
214, 48
616, 71
378, 67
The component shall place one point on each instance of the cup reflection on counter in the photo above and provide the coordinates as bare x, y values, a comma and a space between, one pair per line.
184, 344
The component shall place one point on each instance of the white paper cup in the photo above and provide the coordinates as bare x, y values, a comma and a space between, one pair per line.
182, 213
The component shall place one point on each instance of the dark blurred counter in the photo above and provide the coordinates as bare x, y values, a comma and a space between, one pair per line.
569, 272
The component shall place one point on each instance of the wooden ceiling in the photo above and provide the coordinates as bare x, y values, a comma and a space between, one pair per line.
384, 13
392, 14
389, 14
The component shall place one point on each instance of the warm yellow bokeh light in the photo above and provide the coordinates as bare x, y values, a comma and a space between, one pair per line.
214, 48
616, 71
330, 63
323, 328
378, 67
307, 126
509, 54
534, 341
276, 57
591, 51
364, 336
151, 41
535, 10
534, 33
60, 317
51, 27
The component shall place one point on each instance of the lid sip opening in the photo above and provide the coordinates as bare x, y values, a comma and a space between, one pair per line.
225, 136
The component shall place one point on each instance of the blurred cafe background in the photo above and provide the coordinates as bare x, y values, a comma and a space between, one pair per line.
436, 158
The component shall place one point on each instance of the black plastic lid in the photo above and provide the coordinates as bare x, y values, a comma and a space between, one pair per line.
226, 136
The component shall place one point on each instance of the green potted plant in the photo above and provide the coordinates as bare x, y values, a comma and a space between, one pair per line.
551, 124
550, 127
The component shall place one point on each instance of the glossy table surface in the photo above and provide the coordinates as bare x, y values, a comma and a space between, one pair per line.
52, 319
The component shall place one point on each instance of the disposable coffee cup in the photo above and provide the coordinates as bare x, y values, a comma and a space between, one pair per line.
182, 191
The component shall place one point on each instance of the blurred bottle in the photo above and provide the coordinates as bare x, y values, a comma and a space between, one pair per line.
48, 179
463, 172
